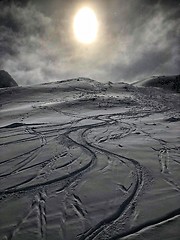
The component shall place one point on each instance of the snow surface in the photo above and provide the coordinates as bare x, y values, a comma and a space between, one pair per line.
84, 160
170, 83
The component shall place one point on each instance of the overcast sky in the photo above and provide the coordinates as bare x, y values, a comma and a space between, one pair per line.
136, 39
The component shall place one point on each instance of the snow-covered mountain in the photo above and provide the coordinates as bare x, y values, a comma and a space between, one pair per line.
171, 83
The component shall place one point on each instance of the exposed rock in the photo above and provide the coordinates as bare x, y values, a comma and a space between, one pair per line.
6, 80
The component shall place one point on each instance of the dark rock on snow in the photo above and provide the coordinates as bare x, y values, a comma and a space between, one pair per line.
6, 80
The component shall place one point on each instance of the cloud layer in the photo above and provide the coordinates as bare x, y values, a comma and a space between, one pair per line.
137, 39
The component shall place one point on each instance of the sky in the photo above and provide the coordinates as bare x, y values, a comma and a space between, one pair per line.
136, 40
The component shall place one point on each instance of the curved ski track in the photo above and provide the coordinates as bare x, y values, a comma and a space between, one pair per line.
49, 173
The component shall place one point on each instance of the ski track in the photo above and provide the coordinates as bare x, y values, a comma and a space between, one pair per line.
46, 134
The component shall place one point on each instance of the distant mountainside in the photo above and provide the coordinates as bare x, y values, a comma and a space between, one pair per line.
171, 83
6, 80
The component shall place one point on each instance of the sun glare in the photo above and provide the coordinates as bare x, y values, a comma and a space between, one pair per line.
85, 25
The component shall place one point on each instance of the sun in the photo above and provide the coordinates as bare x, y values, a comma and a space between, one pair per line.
85, 25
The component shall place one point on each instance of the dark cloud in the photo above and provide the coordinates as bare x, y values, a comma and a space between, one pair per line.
136, 39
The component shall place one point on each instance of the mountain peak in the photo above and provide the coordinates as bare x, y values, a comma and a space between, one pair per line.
6, 80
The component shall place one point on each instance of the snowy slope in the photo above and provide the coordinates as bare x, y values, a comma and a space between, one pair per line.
171, 83
86, 160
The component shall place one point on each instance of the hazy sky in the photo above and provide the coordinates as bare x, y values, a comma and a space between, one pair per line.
136, 39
